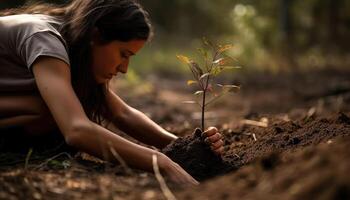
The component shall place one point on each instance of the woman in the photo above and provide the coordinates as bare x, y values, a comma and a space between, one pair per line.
55, 65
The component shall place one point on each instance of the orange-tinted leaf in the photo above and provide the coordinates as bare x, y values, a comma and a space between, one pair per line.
190, 82
225, 48
225, 61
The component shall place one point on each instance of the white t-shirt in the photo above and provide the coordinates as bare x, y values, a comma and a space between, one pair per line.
23, 38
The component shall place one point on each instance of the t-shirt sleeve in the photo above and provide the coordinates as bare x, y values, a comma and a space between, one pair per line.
43, 44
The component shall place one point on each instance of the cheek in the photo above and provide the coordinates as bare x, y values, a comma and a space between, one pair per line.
105, 63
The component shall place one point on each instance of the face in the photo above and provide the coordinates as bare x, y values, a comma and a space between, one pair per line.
112, 58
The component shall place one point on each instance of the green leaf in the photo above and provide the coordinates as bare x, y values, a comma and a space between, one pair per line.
184, 59
231, 88
216, 70
190, 82
198, 92
203, 52
230, 67
57, 164
207, 42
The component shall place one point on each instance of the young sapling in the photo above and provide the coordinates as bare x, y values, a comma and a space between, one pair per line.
203, 75
191, 152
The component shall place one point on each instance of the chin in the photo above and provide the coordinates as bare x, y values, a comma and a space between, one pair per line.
101, 81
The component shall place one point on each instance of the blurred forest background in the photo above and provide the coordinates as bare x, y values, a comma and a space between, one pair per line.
269, 36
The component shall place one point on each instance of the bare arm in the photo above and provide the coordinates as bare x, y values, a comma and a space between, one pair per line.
137, 124
53, 80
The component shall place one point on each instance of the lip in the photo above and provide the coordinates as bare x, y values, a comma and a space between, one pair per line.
111, 75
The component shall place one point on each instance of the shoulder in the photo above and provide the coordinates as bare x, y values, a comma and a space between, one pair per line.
24, 26
33, 36
27, 22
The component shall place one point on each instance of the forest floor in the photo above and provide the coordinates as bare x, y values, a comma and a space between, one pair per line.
286, 137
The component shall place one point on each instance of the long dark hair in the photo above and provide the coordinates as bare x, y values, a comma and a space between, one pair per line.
122, 20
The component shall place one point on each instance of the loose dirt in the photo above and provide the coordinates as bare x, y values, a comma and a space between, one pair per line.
296, 147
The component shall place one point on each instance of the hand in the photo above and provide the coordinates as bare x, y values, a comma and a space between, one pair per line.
174, 171
214, 139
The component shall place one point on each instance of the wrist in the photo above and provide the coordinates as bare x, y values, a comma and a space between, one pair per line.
162, 161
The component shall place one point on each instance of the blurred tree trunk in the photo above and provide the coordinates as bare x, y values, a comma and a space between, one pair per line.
285, 21
287, 36
333, 23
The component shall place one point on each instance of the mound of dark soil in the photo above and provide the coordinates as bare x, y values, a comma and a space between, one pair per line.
196, 157
284, 137
315, 172
198, 160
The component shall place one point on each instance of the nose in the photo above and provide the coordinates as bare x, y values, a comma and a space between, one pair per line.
123, 67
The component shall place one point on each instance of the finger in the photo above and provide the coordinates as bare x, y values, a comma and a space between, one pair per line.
214, 138
210, 131
219, 151
217, 144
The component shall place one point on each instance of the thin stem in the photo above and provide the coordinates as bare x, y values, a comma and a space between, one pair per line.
203, 108
205, 88
196, 77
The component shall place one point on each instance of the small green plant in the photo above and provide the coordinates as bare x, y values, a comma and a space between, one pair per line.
214, 64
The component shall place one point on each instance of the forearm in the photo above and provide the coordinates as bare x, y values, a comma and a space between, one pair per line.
142, 128
99, 141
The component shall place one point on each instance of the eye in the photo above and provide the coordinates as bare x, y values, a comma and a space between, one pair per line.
124, 55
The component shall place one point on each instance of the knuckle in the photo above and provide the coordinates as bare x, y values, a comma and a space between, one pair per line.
210, 131
213, 128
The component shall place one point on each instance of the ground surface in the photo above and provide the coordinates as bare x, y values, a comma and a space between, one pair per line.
286, 137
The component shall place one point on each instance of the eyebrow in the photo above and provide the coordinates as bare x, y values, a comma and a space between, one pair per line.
130, 52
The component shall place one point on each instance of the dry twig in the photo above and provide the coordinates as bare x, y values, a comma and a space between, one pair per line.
27, 158
163, 186
255, 123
